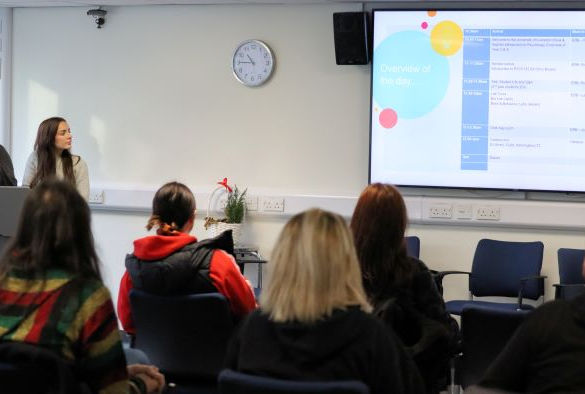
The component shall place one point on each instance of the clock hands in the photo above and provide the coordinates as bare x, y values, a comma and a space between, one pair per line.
251, 61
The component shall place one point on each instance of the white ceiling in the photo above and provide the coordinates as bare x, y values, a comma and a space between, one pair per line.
73, 3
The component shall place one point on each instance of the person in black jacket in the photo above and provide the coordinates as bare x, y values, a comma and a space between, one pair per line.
546, 353
401, 288
6, 169
314, 322
173, 262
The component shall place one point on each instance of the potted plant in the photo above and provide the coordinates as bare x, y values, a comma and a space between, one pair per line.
234, 211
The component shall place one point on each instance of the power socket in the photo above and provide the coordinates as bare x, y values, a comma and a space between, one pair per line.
96, 196
251, 203
273, 204
440, 211
487, 212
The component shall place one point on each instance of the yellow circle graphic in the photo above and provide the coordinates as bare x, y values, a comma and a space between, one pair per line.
446, 38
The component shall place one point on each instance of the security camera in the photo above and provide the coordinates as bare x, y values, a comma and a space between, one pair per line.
99, 16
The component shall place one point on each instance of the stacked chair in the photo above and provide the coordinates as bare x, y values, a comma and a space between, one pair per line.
501, 269
571, 281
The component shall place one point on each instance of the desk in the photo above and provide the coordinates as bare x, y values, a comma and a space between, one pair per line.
250, 255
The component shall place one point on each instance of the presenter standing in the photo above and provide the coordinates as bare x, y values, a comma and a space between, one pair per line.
52, 157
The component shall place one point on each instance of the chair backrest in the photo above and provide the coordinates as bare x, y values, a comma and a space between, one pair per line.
413, 246
498, 267
571, 266
484, 333
232, 382
185, 336
32, 369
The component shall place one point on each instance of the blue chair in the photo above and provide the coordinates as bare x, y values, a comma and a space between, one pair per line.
232, 382
484, 334
185, 336
413, 246
502, 269
572, 283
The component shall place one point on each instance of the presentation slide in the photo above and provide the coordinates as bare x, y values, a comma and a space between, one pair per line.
479, 99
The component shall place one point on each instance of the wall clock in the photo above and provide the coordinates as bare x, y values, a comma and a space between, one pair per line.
252, 62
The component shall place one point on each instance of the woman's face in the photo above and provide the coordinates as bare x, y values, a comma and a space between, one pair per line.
63, 137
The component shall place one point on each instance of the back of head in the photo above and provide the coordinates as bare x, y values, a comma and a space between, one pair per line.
313, 269
54, 232
173, 205
378, 225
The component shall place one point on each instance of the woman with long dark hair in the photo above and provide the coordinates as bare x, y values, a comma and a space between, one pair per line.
401, 288
52, 295
52, 157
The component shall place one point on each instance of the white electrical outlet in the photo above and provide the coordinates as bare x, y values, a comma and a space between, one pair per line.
487, 212
273, 204
463, 211
251, 203
96, 196
441, 211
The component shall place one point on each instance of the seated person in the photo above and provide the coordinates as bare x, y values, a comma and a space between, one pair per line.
6, 169
401, 288
314, 322
547, 352
52, 294
172, 262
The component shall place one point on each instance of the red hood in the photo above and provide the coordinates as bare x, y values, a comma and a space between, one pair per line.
156, 247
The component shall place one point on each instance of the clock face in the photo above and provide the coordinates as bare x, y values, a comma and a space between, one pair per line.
252, 63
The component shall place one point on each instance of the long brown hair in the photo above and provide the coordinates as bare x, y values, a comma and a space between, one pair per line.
378, 225
45, 150
172, 206
54, 232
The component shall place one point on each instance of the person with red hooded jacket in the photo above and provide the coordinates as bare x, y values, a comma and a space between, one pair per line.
173, 262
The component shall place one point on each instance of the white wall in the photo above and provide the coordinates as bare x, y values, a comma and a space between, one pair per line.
151, 98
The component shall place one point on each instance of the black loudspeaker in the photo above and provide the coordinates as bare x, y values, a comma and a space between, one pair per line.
351, 35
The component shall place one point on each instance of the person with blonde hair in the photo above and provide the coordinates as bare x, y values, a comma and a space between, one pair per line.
314, 322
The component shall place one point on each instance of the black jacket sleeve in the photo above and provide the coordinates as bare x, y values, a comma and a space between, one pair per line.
393, 370
6, 169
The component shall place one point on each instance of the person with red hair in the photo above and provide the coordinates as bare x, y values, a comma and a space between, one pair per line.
401, 288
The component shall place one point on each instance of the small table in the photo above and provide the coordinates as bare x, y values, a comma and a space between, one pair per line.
250, 255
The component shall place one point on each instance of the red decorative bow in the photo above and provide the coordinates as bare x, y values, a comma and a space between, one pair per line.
225, 184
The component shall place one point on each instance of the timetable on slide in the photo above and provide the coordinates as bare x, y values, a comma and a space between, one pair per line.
488, 99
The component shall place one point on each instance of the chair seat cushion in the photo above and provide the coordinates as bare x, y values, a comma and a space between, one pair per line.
455, 307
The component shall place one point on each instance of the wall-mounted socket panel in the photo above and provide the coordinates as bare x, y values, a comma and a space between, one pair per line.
96, 196
440, 211
251, 203
487, 212
463, 211
273, 204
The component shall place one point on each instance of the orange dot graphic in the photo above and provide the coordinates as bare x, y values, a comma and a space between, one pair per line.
431, 13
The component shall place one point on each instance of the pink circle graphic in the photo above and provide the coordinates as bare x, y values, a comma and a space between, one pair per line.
424, 25
388, 118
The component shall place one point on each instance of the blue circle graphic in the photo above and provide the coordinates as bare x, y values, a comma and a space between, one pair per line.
409, 76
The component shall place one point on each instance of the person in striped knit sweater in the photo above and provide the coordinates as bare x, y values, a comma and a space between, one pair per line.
52, 294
